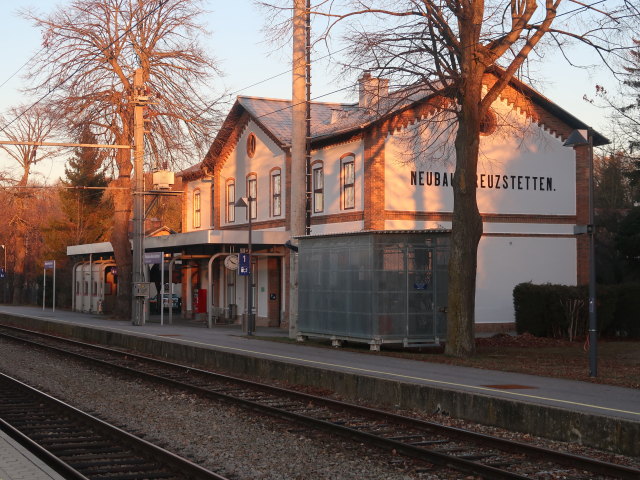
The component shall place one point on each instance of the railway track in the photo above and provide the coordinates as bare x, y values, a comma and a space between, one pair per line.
80, 446
468, 452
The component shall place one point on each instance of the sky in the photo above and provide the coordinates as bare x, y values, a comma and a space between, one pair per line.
237, 40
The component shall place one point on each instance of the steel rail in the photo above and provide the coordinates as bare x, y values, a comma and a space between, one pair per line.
172, 465
575, 461
63, 468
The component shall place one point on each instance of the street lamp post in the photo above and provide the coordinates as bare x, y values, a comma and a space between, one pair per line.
250, 316
585, 138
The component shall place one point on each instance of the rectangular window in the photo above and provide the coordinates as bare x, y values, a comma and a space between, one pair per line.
348, 184
276, 205
231, 201
213, 206
196, 209
318, 190
252, 193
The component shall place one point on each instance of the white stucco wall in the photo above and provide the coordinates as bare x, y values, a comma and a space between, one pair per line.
238, 165
330, 157
206, 219
504, 262
522, 169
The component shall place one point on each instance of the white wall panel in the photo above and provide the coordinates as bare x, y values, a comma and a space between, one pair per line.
342, 227
238, 165
522, 170
504, 262
330, 157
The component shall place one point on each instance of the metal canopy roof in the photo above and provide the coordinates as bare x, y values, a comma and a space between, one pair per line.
200, 237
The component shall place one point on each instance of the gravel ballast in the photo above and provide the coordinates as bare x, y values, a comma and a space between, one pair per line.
224, 439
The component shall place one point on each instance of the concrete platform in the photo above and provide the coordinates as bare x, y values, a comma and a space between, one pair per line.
601, 416
17, 463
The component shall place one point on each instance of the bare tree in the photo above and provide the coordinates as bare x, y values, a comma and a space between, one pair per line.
624, 105
32, 125
625, 102
447, 47
92, 48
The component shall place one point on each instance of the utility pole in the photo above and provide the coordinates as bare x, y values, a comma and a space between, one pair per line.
298, 147
140, 295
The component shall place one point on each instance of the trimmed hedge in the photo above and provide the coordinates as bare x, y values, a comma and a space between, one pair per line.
558, 311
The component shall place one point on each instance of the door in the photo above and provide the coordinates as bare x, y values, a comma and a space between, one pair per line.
274, 287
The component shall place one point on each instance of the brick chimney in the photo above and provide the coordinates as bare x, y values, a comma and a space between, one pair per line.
371, 90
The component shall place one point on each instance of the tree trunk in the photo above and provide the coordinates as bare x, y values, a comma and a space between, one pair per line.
122, 205
465, 236
466, 229
20, 232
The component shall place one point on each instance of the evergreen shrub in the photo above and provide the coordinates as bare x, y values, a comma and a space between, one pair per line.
562, 311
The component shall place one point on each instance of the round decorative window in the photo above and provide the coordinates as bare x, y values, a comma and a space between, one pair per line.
489, 123
251, 145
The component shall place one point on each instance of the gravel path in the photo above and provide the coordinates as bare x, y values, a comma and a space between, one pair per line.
223, 439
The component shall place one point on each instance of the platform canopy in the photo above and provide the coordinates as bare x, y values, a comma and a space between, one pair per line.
180, 241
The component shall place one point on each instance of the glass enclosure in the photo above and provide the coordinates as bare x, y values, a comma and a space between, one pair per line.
376, 287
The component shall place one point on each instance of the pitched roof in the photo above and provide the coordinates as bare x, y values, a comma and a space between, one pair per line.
330, 120
275, 115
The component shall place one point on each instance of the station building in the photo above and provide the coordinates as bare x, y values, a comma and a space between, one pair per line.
378, 167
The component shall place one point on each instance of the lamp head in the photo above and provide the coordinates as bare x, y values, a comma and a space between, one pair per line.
242, 202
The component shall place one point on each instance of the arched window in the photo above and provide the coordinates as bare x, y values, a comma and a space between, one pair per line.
231, 201
317, 169
196, 209
276, 193
348, 181
252, 194
213, 204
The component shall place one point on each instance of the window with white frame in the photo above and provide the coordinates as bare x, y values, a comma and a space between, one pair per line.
213, 204
276, 193
196, 209
318, 187
252, 195
348, 180
231, 201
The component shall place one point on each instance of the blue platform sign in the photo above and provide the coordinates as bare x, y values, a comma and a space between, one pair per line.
151, 258
244, 264
49, 264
